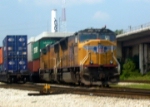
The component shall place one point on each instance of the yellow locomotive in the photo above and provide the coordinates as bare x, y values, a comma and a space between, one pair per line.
88, 57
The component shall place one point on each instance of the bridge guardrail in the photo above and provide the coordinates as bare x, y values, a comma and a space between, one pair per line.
135, 29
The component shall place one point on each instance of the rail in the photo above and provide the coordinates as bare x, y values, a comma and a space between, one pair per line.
94, 91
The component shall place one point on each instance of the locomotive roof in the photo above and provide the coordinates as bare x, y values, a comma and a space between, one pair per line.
93, 30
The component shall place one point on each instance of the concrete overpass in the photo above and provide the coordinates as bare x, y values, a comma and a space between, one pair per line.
136, 41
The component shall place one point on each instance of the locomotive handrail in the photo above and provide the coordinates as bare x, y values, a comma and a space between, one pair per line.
54, 62
84, 59
55, 70
58, 64
39, 71
117, 63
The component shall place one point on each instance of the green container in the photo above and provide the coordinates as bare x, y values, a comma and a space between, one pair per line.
38, 45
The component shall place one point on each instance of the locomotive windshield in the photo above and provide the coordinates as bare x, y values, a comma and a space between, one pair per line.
87, 36
107, 36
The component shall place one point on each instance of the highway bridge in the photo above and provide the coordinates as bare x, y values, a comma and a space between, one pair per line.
135, 41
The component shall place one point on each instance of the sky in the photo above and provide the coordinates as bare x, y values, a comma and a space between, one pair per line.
32, 17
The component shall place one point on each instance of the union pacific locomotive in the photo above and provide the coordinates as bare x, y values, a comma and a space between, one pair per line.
87, 57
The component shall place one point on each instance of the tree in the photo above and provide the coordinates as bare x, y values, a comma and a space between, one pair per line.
117, 32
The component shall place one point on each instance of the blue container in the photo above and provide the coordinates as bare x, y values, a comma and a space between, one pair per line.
10, 65
9, 44
22, 64
21, 45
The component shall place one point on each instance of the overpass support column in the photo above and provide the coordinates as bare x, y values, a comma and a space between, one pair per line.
145, 58
141, 58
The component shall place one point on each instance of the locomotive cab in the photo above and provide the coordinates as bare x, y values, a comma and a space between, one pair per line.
97, 57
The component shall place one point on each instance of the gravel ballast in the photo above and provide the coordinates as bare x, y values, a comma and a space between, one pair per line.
20, 98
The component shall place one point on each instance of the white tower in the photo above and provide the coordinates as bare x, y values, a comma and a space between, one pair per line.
53, 21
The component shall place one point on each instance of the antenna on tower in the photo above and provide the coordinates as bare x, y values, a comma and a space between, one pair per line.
63, 17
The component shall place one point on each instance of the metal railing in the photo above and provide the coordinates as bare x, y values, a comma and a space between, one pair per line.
136, 28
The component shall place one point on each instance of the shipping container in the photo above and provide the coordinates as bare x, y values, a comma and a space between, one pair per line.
9, 45
30, 66
22, 65
40, 44
30, 44
21, 45
34, 66
1, 68
1, 55
30, 55
10, 65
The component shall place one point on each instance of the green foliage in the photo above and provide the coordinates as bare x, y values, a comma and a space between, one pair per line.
117, 32
129, 70
148, 73
129, 66
131, 75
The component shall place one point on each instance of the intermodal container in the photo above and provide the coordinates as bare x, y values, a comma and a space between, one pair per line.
1, 55
30, 51
36, 65
22, 65
21, 45
10, 65
40, 44
9, 45
33, 66
30, 66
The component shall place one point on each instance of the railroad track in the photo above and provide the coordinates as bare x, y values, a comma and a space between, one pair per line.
92, 91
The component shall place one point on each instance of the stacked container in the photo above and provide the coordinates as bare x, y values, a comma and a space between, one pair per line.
15, 54
21, 52
9, 44
30, 59
1, 59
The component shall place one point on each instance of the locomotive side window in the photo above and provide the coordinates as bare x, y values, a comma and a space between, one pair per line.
85, 37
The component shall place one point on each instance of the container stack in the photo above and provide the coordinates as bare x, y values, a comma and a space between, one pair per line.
21, 51
1, 59
30, 57
15, 54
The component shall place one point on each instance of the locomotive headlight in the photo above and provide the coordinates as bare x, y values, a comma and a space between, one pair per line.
111, 62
